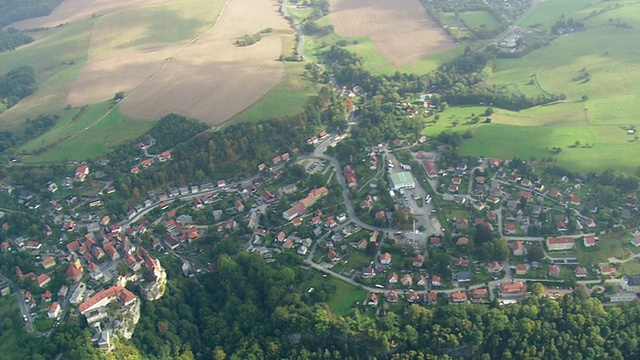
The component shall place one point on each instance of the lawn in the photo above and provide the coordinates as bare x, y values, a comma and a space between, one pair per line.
345, 297
609, 246
77, 140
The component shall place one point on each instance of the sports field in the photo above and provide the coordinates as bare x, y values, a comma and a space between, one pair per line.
401, 31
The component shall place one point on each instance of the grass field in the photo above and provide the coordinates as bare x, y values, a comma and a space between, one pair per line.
76, 139
548, 12
345, 297
612, 89
475, 19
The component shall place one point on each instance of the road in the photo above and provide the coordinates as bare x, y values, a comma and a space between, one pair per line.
23, 306
512, 27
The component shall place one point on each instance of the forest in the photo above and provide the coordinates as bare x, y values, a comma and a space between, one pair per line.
12, 38
247, 309
16, 85
16, 10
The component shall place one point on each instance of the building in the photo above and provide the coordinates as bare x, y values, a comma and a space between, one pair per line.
510, 289
522, 269
631, 283
430, 169
518, 248
385, 259
54, 310
104, 297
623, 297
49, 262
459, 297
590, 241
560, 243
402, 180
43, 280
350, 176
81, 173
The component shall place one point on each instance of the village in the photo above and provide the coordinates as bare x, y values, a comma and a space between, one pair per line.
398, 220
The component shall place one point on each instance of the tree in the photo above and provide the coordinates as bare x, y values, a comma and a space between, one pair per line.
489, 111
118, 96
535, 254
537, 289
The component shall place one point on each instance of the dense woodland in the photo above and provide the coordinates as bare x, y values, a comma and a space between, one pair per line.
16, 10
16, 85
13, 38
248, 309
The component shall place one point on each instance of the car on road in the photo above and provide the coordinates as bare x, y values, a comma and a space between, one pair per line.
24, 317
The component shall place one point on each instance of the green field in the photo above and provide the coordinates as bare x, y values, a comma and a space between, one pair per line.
345, 298
475, 19
548, 12
76, 139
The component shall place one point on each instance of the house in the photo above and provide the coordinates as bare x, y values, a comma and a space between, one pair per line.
432, 298
417, 260
554, 271
435, 241
590, 223
430, 169
74, 272
574, 200
463, 276
606, 270
146, 163
288, 244
479, 205
494, 267
412, 297
81, 173
238, 205
518, 248
407, 280
385, 259
350, 177
372, 300
333, 256
461, 261
511, 289
462, 241
436, 280
560, 243
380, 215
54, 310
522, 269
46, 296
33, 245
164, 156
4, 246
368, 272
462, 224
510, 229
459, 297
581, 272
392, 297
104, 297
362, 244
590, 241
631, 283
393, 279
42, 280
453, 188
456, 181
480, 294
422, 281
49, 262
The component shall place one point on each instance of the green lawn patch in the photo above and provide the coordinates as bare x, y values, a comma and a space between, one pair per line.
346, 297
475, 19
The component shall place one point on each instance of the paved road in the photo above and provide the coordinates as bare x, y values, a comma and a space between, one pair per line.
22, 305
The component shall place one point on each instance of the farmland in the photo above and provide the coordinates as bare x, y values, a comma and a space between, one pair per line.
400, 31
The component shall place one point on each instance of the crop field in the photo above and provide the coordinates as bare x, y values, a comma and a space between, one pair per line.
213, 85
401, 31
288, 97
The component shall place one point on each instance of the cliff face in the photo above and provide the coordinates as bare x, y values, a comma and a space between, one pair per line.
155, 289
130, 318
